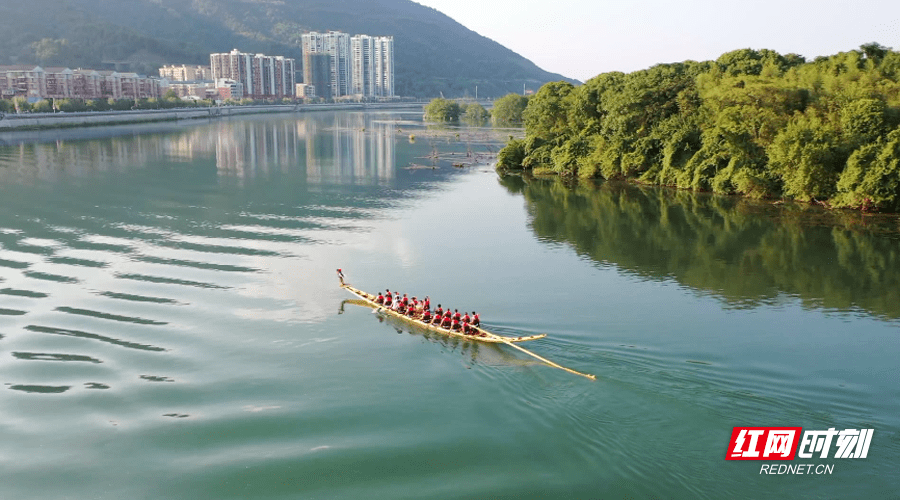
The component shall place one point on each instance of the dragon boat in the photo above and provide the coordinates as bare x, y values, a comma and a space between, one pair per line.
480, 334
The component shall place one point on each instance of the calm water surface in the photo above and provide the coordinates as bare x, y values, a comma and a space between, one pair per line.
171, 327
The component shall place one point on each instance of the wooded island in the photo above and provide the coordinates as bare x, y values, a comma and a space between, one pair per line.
752, 122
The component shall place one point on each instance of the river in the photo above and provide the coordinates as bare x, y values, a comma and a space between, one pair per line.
171, 325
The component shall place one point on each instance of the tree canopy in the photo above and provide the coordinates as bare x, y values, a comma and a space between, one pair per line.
753, 122
508, 110
442, 110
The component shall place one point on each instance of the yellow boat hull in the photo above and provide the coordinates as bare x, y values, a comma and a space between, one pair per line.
490, 338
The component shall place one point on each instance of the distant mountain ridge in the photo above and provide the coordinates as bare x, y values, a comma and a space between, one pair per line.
433, 53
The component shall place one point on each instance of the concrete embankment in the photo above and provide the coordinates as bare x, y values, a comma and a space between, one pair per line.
12, 121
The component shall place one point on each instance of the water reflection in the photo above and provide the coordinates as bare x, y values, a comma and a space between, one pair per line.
355, 148
746, 253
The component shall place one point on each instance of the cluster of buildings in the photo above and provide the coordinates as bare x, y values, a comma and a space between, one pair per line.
335, 65
35, 83
338, 65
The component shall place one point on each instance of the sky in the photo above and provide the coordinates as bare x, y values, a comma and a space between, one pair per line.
583, 38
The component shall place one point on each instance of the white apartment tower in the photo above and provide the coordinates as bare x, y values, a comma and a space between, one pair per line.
384, 66
362, 52
336, 45
372, 65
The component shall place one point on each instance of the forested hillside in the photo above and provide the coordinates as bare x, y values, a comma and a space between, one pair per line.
433, 53
753, 122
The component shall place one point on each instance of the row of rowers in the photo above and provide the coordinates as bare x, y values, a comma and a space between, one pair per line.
421, 310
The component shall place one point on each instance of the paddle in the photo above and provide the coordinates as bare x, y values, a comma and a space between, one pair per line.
490, 335
533, 355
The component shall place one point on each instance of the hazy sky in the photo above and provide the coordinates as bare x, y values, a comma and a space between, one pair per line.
583, 38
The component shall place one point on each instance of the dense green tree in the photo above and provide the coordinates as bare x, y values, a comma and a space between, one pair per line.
442, 110
43, 106
510, 157
508, 110
872, 177
753, 122
476, 114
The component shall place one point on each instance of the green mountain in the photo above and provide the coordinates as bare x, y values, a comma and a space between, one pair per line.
433, 53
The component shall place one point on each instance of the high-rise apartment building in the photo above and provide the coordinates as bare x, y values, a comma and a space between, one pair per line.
362, 53
262, 76
337, 46
361, 65
317, 72
383, 61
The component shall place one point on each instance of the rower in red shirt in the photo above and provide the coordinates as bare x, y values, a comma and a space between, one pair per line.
388, 298
475, 320
455, 325
466, 318
456, 315
439, 311
426, 316
380, 299
446, 322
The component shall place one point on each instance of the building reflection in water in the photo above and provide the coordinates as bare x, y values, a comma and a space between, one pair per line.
344, 148
351, 149
347, 148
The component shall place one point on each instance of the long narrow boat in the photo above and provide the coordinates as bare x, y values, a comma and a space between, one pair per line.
482, 336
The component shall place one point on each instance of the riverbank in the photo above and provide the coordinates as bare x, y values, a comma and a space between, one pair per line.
38, 121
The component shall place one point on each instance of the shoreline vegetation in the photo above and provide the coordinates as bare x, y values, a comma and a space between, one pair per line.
753, 122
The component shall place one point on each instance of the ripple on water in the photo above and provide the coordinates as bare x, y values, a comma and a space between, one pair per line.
222, 249
92, 336
195, 264
137, 298
168, 281
72, 261
40, 389
112, 317
41, 356
14, 264
23, 293
50, 277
